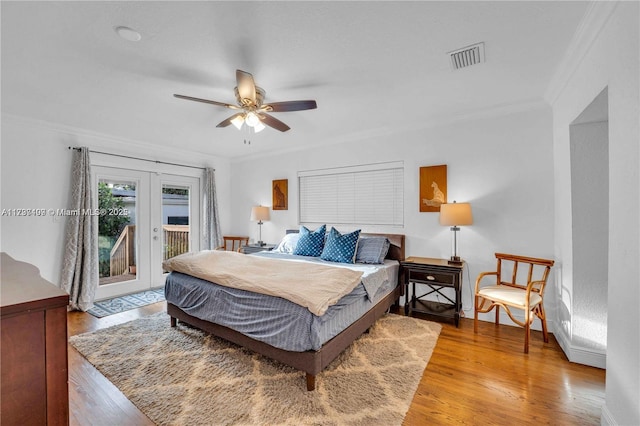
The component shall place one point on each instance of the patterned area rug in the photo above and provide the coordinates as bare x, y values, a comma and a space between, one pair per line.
182, 376
125, 303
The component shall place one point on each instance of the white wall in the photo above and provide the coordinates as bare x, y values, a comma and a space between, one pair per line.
502, 165
36, 173
590, 219
610, 59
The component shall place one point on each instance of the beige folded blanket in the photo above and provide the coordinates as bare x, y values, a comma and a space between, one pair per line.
316, 287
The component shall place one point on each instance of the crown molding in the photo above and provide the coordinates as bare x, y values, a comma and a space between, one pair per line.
588, 31
139, 147
117, 144
494, 111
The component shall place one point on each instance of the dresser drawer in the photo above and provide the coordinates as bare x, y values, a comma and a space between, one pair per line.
431, 277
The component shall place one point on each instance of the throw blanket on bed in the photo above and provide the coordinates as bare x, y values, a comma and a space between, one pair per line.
316, 287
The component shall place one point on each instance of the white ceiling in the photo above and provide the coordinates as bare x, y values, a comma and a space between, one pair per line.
373, 67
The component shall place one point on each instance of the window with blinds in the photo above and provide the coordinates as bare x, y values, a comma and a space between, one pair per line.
370, 194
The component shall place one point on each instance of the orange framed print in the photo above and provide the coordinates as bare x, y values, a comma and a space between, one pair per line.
433, 188
280, 190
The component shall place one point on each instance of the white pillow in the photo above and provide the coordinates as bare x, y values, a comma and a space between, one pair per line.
288, 243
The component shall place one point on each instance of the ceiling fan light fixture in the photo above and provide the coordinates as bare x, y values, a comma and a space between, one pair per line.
238, 121
258, 127
252, 119
250, 109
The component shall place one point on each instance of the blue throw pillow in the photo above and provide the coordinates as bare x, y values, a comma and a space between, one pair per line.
310, 243
372, 250
340, 248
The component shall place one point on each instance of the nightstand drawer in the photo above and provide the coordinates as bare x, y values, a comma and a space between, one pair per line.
431, 277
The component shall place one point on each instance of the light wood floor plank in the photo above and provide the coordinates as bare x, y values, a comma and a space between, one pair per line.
486, 378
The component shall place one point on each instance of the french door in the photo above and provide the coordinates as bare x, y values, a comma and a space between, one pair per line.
145, 218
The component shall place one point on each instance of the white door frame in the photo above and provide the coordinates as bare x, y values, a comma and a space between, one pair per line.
193, 184
142, 238
150, 177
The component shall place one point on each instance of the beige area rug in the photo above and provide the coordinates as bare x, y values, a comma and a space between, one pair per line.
182, 376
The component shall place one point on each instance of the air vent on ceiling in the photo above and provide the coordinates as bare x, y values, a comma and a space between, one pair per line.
467, 56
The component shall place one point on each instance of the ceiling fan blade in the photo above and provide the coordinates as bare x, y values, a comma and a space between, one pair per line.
246, 86
225, 123
290, 106
206, 101
273, 122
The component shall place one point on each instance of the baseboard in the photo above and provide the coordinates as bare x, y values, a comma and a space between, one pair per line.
588, 356
580, 354
564, 341
606, 418
575, 353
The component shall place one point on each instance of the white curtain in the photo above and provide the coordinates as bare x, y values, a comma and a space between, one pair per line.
211, 235
80, 264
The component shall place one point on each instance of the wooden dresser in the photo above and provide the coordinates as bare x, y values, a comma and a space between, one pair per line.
33, 354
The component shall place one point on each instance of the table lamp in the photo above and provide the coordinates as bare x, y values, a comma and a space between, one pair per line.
260, 213
455, 214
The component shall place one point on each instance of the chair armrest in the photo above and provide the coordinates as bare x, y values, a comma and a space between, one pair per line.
481, 276
537, 284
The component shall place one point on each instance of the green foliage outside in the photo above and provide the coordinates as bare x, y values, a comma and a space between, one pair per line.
109, 226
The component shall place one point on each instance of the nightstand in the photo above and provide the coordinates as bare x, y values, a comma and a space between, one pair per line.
255, 248
432, 276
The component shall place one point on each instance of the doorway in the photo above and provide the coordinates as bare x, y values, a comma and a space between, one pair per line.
589, 150
145, 218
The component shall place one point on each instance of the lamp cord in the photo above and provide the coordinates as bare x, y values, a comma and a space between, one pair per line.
470, 290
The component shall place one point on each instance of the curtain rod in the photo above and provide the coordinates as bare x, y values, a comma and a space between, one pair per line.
141, 159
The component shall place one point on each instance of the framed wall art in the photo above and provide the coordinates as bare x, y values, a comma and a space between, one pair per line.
433, 188
280, 190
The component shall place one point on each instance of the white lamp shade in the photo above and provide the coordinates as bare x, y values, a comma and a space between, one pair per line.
251, 119
238, 121
259, 213
258, 127
456, 214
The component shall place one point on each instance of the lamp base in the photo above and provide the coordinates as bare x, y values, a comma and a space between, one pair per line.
261, 243
455, 260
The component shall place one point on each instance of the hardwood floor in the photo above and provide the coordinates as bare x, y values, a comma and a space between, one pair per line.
487, 379
470, 379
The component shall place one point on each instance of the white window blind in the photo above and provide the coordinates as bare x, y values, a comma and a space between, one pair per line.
370, 194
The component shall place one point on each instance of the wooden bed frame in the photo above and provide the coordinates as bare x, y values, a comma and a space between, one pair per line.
311, 362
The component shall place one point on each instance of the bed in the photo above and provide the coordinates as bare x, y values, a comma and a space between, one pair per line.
234, 314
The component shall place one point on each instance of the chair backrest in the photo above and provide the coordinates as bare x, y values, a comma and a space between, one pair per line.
233, 243
538, 271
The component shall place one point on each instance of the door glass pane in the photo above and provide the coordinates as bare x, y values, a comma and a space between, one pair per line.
175, 220
116, 231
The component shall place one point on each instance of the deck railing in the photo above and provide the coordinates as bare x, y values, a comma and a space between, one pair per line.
123, 253
176, 240
122, 256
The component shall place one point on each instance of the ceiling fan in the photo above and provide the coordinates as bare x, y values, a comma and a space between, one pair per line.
251, 110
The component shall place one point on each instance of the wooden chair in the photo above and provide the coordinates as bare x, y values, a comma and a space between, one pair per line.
233, 243
509, 294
